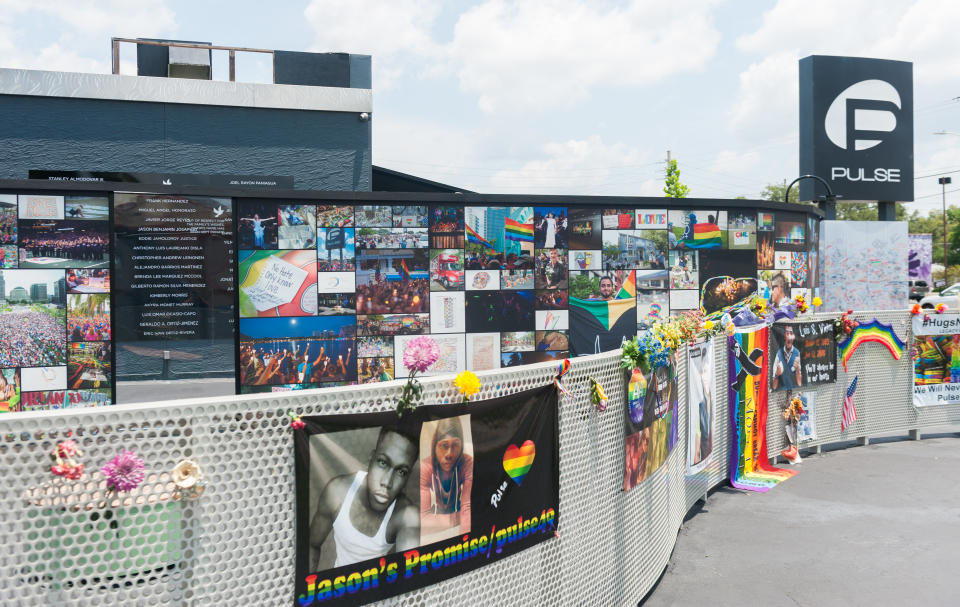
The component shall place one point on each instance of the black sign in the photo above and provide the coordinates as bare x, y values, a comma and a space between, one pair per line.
174, 266
173, 179
335, 239
386, 505
856, 128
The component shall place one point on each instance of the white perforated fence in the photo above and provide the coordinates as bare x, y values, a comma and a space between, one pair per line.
63, 544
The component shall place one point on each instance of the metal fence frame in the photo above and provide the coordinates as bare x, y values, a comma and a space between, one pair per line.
236, 543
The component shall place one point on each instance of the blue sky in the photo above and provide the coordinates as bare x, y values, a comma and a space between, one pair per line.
556, 96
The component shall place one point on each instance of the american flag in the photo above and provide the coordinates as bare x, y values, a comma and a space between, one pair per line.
849, 410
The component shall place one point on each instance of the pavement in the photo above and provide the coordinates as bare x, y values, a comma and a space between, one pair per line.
873, 525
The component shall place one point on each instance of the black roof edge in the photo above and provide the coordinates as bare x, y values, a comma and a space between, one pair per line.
24, 186
420, 181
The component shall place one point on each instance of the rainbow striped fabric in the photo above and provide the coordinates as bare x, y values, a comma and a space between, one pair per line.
476, 238
750, 467
705, 236
874, 331
514, 230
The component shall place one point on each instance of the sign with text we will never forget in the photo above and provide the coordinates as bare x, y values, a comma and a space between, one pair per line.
389, 504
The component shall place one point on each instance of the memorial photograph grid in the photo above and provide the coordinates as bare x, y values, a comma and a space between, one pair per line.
56, 330
330, 294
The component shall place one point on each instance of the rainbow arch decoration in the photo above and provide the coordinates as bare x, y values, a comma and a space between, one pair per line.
874, 331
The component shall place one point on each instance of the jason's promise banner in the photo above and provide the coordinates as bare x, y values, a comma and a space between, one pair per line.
386, 505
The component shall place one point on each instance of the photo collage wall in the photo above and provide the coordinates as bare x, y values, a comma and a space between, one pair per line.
331, 294
55, 323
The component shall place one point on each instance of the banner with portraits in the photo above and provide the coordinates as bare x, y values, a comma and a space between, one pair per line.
651, 423
936, 365
804, 354
700, 396
386, 505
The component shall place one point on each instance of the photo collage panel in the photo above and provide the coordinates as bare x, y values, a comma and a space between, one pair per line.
332, 294
56, 332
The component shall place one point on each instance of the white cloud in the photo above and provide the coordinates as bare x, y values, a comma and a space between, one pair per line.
84, 27
585, 166
395, 33
552, 53
923, 31
768, 96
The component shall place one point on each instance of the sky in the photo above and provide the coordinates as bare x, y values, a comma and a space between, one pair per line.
556, 96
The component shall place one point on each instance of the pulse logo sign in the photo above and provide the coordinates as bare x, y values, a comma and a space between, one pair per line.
859, 119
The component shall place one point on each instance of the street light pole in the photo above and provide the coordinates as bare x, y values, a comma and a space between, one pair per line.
943, 181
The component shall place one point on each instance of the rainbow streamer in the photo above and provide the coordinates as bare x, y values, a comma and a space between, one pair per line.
750, 467
874, 331
561, 371
514, 230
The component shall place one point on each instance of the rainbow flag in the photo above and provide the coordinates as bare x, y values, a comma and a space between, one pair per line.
476, 238
629, 287
705, 236
874, 331
750, 467
514, 230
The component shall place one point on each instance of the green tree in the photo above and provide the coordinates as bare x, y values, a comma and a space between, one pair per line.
775, 192
672, 187
583, 285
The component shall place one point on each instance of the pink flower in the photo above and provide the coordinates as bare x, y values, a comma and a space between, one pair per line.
67, 448
421, 353
124, 472
298, 424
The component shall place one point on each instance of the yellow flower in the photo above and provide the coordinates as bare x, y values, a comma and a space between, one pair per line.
817, 302
468, 383
708, 325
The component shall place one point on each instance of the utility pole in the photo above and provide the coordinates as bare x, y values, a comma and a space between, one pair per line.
943, 181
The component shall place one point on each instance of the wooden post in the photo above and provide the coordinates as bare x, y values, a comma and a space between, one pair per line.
115, 51
233, 65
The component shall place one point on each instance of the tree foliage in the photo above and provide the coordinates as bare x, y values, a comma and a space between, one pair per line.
672, 187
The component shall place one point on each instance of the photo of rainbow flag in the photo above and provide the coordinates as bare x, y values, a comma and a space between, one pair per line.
750, 467
705, 236
515, 230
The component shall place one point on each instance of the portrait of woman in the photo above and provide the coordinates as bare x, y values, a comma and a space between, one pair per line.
446, 478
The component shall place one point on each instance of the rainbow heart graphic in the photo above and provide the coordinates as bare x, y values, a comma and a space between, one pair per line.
517, 460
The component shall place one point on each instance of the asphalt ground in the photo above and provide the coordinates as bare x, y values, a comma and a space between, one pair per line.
872, 525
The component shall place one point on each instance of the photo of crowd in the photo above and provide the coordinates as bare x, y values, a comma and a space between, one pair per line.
517, 341
313, 350
392, 282
393, 324
64, 244
8, 219
8, 256
584, 231
33, 330
334, 216
374, 346
88, 317
392, 238
88, 365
